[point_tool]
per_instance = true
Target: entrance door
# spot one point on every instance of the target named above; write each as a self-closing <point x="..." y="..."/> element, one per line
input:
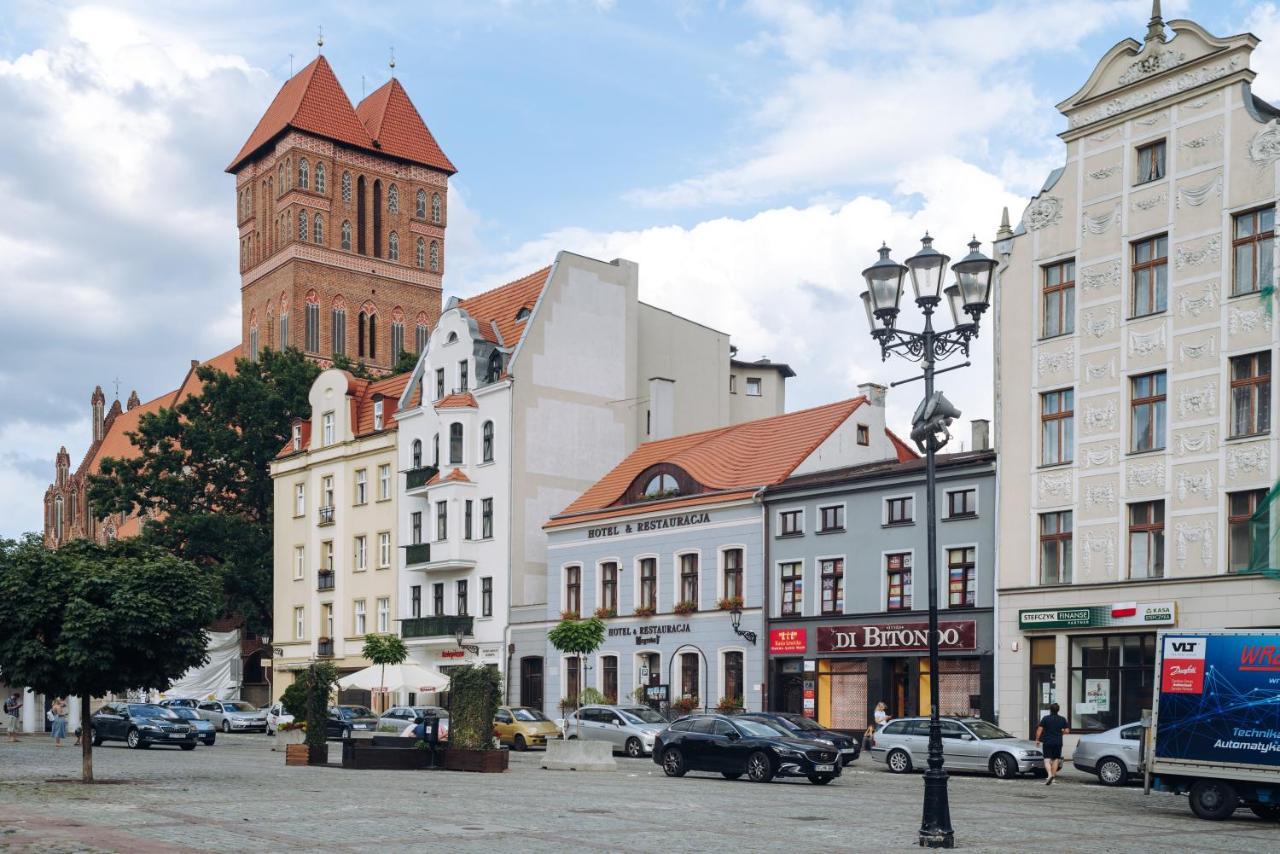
<point x="793" y="693"/>
<point x="531" y="682"/>
<point x="1043" y="680"/>
<point x="899" y="693"/>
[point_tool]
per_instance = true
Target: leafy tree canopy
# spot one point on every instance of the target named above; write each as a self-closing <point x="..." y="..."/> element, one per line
<point x="359" y="369"/>
<point x="202" y="475"/>
<point x="384" y="649"/>
<point x="578" y="637"/>
<point x="405" y="362"/>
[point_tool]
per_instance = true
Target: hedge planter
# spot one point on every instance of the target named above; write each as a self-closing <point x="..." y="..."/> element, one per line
<point x="484" y="761"/>
<point x="387" y="753"/>
<point x="317" y="755"/>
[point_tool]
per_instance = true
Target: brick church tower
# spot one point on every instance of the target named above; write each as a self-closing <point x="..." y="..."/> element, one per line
<point x="341" y="215"/>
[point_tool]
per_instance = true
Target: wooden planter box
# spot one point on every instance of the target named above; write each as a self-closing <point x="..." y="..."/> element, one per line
<point x="296" y="754"/>
<point x="484" y="761"/>
<point x="385" y="753"/>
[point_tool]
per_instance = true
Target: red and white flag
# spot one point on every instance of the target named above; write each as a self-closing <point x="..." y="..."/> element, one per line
<point x="1124" y="609"/>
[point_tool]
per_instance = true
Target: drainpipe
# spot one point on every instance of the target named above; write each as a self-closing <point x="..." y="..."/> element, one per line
<point x="758" y="496"/>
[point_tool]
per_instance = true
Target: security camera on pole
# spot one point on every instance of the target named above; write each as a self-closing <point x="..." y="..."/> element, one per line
<point x="968" y="298"/>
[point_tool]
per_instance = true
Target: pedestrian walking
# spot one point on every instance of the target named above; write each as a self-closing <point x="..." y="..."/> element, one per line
<point x="1049" y="736"/>
<point x="58" y="717"/>
<point x="12" y="709"/>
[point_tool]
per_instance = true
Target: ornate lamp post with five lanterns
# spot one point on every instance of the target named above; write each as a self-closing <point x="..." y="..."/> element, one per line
<point x="968" y="298"/>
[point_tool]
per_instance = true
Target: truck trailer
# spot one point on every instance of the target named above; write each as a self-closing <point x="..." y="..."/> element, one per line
<point x="1216" y="721"/>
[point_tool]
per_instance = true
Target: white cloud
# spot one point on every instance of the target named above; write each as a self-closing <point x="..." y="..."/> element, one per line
<point x="1264" y="22"/>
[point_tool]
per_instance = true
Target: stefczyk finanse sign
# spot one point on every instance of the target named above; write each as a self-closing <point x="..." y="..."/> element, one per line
<point x="896" y="637"/>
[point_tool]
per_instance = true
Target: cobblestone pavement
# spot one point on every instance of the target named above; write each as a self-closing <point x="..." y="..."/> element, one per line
<point x="238" y="796"/>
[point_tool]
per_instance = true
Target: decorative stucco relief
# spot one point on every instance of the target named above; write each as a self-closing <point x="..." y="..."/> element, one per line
<point x="1210" y="253"/>
<point x="1197" y="196"/>
<point x="1100" y="496"/>
<point x="1156" y="62"/>
<point x="1101" y="276"/>
<point x="1053" y="363"/>
<point x="1181" y="83"/>
<point x="1146" y="204"/>
<point x="1203" y="140"/>
<point x="1248" y="459"/>
<point x="1196" y="442"/>
<point x="1194" y="402"/>
<point x="1248" y="319"/>
<point x="1103" y="455"/>
<point x="1101" y="223"/>
<point x="1195" y="484"/>
<point x="1145" y="476"/>
<point x="1055" y="486"/>
<point x="1099" y="322"/>
<point x="1100" y="418"/>
<point x="1194" y="532"/>
<point x="1102" y="544"/>
<point x="1043" y="212"/>
<point x="1264" y="148"/>
<point x="1195" y="306"/>
<point x="1100" y="371"/>
<point x="1146" y="343"/>
<point x="1196" y="352"/>
<point x="1105" y="172"/>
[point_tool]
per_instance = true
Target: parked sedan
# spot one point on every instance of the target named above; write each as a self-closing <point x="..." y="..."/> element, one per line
<point x="1114" y="755"/>
<point x="798" y="726"/>
<point x="630" y="729"/>
<point x="175" y="702"/>
<point x="396" y="718"/>
<point x="233" y="716"/>
<point x="968" y="744"/>
<point x="521" y="728"/>
<point x="734" y="746"/>
<point x="140" y="725"/>
<point x="206" y="732"/>
<point x="276" y="717"/>
<point x="345" y="721"/>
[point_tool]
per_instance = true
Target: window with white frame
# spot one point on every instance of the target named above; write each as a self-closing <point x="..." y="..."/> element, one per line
<point x="361" y="553"/>
<point x="362" y="486"/>
<point x="384" y="614"/>
<point x="326" y="429"/>
<point x="299" y="562"/>
<point x="377" y="408"/>
<point x="358" y="612"/>
<point x="899" y="510"/>
<point x="792" y="588"/>
<point x="299" y="499"/>
<point x="832" y="572"/>
<point x="297" y="428"/>
<point x="384" y="550"/>
<point x="299" y="623"/>
<point x="326" y="491"/>
<point x="753" y="387"/>
<point x="790" y="523"/>
<point x="831" y="518"/>
<point x="898" y="584"/>
<point x="384" y="481"/>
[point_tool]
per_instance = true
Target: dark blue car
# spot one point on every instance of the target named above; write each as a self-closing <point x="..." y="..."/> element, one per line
<point x="798" y="726"/>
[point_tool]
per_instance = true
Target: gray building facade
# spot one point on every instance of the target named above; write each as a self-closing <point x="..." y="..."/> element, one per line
<point x="847" y="596"/>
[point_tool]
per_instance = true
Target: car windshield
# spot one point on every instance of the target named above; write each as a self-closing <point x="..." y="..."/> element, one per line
<point x="528" y="715"/>
<point x="758" y="728"/>
<point x="779" y="727"/>
<point x="238" y="707"/>
<point x="641" y="715"/>
<point x="986" y="731"/>
<point x="146" y="710"/>
<point x="803" y="723"/>
<point x="354" y="712"/>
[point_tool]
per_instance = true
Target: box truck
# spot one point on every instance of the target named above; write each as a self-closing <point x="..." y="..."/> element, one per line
<point x="1216" y="721"/>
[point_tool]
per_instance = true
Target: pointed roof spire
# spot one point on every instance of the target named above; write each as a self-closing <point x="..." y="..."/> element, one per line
<point x="133" y="399"/>
<point x="320" y="40"/>
<point x="1155" y="27"/>
<point x="1004" y="230"/>
<point x="394" y="123"/>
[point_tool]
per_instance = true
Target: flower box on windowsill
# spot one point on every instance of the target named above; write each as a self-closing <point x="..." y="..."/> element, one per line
<point x="683" y="608"/>
<point x="728" y="603"/>
<point x="645" y="611"/>
<point x="605" y="613"/>
<point x="569" y="615"/>
<point x="685" y="705"/>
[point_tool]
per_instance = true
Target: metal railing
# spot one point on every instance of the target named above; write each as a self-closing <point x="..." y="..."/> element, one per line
<point x="417" y="478"/>
<point x="433" y="627"/>
<point x="417" y="553"/>
<point x="326" y="516"/>
<point x="324" y="648"/>
<point x="324" y="579"/>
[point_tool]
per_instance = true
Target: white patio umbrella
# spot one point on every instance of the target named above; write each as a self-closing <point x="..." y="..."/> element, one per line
<point x="399" y="677"/>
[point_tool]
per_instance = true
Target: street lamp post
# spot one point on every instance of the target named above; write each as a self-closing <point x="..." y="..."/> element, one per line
<point x="968" y="298"/>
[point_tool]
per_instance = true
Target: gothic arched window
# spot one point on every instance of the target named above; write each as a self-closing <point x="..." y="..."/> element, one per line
<point x="435" y="257"/>
<point x="302" y="226"/>
<point x="346" y="235"/>
<point x="346" y="186"/>
<point x="317" y="226"/>
<point x="420" y="253"/>
<point x="304" y="174"/>
<point x="319" y="177"/>
<point x="393" y="247"/>
<point x="417" y="453"/>
<point x="420" y="210"/>
<point x="393" y="199"/>
<point x="436" y="215"/>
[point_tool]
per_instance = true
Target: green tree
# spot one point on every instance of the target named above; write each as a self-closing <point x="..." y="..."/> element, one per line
<point x="318" y="681"/>
<point x="359" y="369"/>
<point x="384" y="650"/>
<point x="580" y="638"/>
<point x="202" y="475"/>
<point x="405" y="362"/>
<point x="294" y="700"/>
<point x="86" y="620"/>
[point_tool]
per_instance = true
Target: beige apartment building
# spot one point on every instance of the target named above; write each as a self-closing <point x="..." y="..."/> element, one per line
<point x="1135" y="343"/>
<point x="335" y="522"/>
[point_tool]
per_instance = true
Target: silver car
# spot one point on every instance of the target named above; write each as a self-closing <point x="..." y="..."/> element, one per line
<point x="968" y="744"/>
<point x="1113" y="755"/>
<point x="233" y="715"/>
<point x="397" y="718"/>
<point x="631" y="729"/>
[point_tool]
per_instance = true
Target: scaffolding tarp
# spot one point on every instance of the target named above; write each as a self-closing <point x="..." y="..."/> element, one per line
<point x="219" y="679"/>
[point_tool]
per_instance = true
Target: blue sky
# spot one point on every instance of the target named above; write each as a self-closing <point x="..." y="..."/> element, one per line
<point x="749" y="155"/>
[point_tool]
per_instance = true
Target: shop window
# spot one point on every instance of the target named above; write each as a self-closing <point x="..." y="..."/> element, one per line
<point x="959" y="686"/>
<point x="962" y="503"/>
<point x="1248" y="538"/>
<point x="962" y="587"/>
<point x="1251" y="394"/>
<point x="792" y="589"/>
<point x="1111" y="680"/>
<point x="1055" y="548"/>
<point x="1252" y="238"/>
<point x="898" y="569"/>
<point x="832" y="585"/>
<point x="1058" y="317"/>
<point x="1146" y="540"/>
<point x="846" y="693"/>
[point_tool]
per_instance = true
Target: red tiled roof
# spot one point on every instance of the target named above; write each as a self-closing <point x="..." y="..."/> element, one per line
<point x="312" y="100"/>
<point x="457" y="400"/>
<point x="360" y="398"/>
<point x="738" y="457"/>
<point x="396" y="126"/>
<point x="905" y="452"/>
<point x="501" y="304"/>
<point x="457" y="476"/>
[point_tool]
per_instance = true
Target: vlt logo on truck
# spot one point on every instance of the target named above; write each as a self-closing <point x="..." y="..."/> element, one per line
<point x="1182" y="670"/>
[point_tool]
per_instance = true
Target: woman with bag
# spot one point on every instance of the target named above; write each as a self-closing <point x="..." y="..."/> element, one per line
<point x="58" y="716"/>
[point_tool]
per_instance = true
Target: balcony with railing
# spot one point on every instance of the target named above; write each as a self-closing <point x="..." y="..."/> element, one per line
<point x="324" y="648"/>
<point x="417" y="555"/>
<point x="324" y="580"/>
<point x="435" y="627"/>
<point x="415" y="479"/>
<point x="326" y="516"/>
<point x="449" y="555"/>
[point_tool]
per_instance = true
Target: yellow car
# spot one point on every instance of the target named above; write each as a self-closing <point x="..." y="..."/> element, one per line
<point x="522" y="727"/>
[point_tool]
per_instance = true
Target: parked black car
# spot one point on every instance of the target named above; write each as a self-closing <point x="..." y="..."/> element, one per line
<point x="798" y="726"/>
<point x="344" y="720"/>
<point x="206" y="732"/>
<point x="141" y="725"/>
<point x="734" y="746"/>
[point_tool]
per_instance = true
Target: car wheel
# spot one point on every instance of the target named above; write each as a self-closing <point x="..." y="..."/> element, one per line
<point x="187" y="746"/>
<point x="898" y="761"/>
<point x="133" y="739"/>
<point x="634" y="748"/>
<point x="226" y="725"/>
<point x="1213" y="799"/>
<point x="209" y="740"/>
<point x="673" y="762"/>
<point x="1267" y="812"/>
<point x="520" y="743"/>
<point x="760" y="767"/>
<point x="1111" y="772"/>
<point x="820" y="779"/>
<point x="1004" y="766"/>
<point x="731" y="775"/>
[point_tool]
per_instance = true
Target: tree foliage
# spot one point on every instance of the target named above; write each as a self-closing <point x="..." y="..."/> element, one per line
<point x="87" y="620"/>
<point x="202" y="476"/>
<point x="384" y="649"/>
<point x="578" y="637"/>
<point x="359" y="369"/>
<point x="294" y="700"/>
<point x="318" y="681"/>
<point x="405" y="362"/>
<point x="473" y="704"/>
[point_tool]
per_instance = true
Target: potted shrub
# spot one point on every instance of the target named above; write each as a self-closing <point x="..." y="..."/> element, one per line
<point x="605" y="613"/>
<point x="591" y="697"/>
<point x="294" y="732"/>
<point x="579" y="638"/>
<point x="645" y="611"/>
<point x="728" y="603"/>
<point x="474" y="694"/>
<point x="685" y="705"/>
<point x="685" y="607"/>
<point x="317" y="684"/>
<point x="729" y="705"/>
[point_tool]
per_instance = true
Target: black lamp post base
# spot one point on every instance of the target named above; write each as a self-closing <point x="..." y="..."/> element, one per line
<point x="935" y="826"/>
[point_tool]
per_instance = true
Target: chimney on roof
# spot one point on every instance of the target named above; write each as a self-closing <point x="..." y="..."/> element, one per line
<point x="662" y="408"/>
<point x="96" y="403"/>
<point x="133" y="399"/>
<point x="874" y="393"/>
<point x="981" y="434"/>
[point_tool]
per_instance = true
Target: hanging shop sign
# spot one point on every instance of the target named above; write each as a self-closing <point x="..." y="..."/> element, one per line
<point x="788" y="640"/>
<point x="897" y="637"/>
<point x="1117" y="614"/>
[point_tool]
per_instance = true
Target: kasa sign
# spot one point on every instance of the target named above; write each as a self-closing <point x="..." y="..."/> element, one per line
<point x="896" y="637"/>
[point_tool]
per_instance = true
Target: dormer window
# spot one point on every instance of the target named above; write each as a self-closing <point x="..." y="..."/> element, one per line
<point x="495" y="367"/>
<point x="523" y="313"/>
<point x="660" y="486"/>
<point x="377" y="415"/>
<point x="297" y="437"/>
<point x="326" y="429"/>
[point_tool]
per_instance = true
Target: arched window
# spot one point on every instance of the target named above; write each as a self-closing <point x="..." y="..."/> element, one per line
<point x="420" y="338"/>
<point x="452" y="339"/>
<point x="280" y="178"/>
<point x="393" y="199"/>
<point x="436" y="213"/>
<point x="455" y="444"/>
<point x="253" y="343"/>
<point x="435" y="257"/>
<point x="57" y="518"/>
<point x="339" y="328"/>
<point x="393" y="247"/>
<point x="304" y="174"/>
<point x="302" y="226"/>
<point x="417" y="453"/>
<point x="317" y="226"/>
<point x="360" y="319"/>
<point x="312" y="323"/>
<point x="661" y="485"/>
<point x="373" y="336"/>
<point x="487" y="442"/>
<point x="377" y="218"/>
<point x="420" y="209"/>
<point x="346" y="187"/>
<point x="435" y="450"/>
<point x="397" y="338"/>
<point x="319" y="177"/>
<point x="346" y="235"/>
<point x="420" y="253"/>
